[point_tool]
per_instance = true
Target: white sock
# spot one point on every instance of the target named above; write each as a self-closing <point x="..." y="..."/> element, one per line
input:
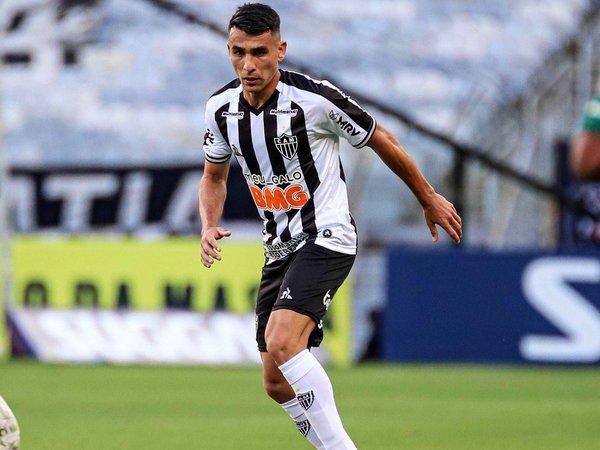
<point x="296" y="412"/>
<point x="315" y="394"/>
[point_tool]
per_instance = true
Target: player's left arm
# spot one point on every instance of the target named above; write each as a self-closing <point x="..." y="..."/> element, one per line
<point x="436" y="209"/>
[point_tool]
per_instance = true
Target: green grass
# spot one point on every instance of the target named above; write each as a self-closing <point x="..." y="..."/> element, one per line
<point x="383" y="407"/>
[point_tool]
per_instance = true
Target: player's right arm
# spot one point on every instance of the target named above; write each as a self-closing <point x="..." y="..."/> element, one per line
<point x="211" y="200"/>
<point x="213" y="186"/>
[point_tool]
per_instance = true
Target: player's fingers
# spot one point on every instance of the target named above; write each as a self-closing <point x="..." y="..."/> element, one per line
<point x="456" y="217"/>
<point x="220" y="234"/>
<point x="432" y="230"/>
<point x="207" y="262"/>
<point x="455" y="237"/>
<point x="456" y="225"/>
<point x="204" y="258"/>
<point x="223" y="233"/>
<point x="454" y="231"/>
<point x="210" y="248"/>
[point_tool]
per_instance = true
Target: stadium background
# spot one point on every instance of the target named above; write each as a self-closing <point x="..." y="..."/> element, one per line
<point x="101" y="129"/>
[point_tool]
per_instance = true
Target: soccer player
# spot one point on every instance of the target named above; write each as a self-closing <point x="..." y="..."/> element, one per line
<point x="284" y="130"/>
<point x="585" y="150"/>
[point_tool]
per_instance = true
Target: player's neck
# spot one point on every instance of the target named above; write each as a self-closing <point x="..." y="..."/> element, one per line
<point x="258" y="99"/>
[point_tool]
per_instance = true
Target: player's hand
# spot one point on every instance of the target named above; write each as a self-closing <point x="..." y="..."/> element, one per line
<point x="209" y="247"/>
<point x="440" y="211"/>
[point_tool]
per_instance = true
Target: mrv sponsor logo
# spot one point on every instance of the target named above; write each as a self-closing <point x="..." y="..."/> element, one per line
<point x="344" y="125"/>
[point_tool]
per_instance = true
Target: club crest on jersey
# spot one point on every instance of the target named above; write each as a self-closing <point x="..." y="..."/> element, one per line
<point x="306" y="399"/>
<point x="287" y="145"/>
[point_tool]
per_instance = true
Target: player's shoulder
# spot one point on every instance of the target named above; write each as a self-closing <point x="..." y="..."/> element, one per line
<point x="224" y="95"/>
<point x="306" y="85"/>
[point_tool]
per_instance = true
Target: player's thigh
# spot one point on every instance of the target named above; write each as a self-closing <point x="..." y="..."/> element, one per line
<point x="288" y="332"/>
<point x="268" y="292"/>
<point x="311" y="281"/>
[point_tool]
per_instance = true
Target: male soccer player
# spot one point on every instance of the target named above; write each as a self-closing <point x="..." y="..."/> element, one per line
<point x="585" y="150"/>
<point x="284" y="130"/>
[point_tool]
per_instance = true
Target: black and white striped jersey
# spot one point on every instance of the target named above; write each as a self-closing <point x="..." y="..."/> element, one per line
<point x="289" y="154"/>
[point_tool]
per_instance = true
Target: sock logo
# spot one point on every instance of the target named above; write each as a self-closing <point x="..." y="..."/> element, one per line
<point x="303" y="427"/>
<point x="306" y="399"/>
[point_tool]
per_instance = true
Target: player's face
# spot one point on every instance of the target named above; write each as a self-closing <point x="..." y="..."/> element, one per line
<point x="256" y="60"/>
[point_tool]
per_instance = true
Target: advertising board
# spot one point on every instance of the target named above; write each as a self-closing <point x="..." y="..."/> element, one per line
<point x="493" y="307"/>
<point x="87" y="298"/>
<point x="135" y="200"/>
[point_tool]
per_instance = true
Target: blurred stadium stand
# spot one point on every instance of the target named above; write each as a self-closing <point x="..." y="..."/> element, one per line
<point x="131" y="79"/>
<point x="123" y="83"/>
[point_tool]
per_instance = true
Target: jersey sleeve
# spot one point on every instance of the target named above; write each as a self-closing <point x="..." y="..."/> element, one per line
<point x="344" y="117"/>
<point x="591" y="119"/>
<point x="216" y="149"/>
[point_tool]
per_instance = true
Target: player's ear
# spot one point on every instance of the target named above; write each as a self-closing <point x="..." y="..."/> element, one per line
<point x="281" y="49"/>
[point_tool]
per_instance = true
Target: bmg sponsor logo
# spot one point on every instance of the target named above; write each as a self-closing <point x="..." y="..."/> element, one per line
<point x="278" y="199"/>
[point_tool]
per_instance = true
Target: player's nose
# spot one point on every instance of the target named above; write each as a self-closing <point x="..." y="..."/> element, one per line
<point x="248" y="64"/>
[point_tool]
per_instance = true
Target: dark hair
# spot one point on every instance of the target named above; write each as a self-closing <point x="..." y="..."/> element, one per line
<point x="255" y="19"/>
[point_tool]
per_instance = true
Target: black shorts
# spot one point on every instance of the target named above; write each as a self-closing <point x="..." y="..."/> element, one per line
<point x="304" y="282"/>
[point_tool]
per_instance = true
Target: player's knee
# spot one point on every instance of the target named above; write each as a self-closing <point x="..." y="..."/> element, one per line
<point x="276" y="389"/>
<point x="276" y="346"/>
<point x="281" y="347"/>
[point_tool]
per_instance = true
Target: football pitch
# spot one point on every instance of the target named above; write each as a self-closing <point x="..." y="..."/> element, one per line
<point x="383" y="407"/>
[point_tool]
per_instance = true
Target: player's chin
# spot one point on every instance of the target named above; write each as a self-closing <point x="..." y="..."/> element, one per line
<point x="253" y="86"/>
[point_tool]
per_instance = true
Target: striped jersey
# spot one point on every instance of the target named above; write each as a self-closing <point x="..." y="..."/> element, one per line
<point x="288" y="151"/>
